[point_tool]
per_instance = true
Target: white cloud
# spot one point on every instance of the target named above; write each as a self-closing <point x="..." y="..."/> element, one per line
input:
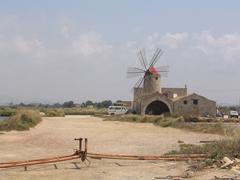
<point x="203" y="60"/>
<point x="131" y="44"/>
<point x="28" y="46"/>
<point x="222" y="47"/>
<point x="90" y="43"/>
<point x="173" y="40"/>
<point x="67" y="27"/>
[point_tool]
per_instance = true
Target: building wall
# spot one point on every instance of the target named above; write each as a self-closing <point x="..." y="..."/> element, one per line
<point x="170" y="92"/>
<point x="177" y="106"/>
<point x="141" y="102"/>
<point x="146" y="100"/>
<point x="185" y="106"/>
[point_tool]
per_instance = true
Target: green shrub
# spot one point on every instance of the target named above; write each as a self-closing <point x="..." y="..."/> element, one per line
<point x="22" y="120"/>
<point x="215" y="150"/>
<point x="54" y="113"/>
<point x="85" y="111"/>
<point x="180" y="123"/>
<point x="7" y="111"/>
<point x="134" y="118"/>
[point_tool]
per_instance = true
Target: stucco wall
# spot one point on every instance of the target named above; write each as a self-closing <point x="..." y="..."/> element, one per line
<point x="205" y="107"/>
<point x="140" y="104"/>
<point x="151" y="83"/>
<point x="170" y="91"/>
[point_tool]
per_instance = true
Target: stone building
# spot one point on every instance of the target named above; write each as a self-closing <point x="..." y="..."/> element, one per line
<point x="152" y="99"/>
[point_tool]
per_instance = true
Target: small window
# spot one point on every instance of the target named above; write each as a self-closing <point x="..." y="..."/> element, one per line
<point x="156" y="78"/>
<point x="195" y="101"/>
<point x="185" y="102"/>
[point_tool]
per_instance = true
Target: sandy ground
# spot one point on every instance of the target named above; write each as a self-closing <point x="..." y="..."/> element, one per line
<point x="54" y="136"/>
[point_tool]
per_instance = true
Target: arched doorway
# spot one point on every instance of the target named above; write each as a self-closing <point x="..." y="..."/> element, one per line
<point x="157" y="108"/>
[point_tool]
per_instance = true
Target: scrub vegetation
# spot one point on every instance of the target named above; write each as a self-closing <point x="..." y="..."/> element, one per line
<point x="61" y="112"/>
<point x="21" y="120"/>
<point x="6" y="111"/>
<point x="85" y="111"/>
<point x="189" y="124"/>
<point x="216" y="150"/>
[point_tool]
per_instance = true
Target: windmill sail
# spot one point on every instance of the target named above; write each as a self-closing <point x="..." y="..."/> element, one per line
<point x="146" y="68"/>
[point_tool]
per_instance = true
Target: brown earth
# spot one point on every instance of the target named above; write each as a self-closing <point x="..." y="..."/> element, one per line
<point x="54" y="137"/>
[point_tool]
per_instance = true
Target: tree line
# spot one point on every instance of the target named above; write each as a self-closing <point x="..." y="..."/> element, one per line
<point x="67" y="104"/>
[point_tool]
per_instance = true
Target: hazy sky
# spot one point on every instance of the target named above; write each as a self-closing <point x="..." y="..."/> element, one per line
<point x="55" y="50"/>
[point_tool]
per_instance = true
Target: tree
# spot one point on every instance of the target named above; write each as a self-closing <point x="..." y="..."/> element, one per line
<point x="104" y="104"/>
<point x="57" y="105"/>
<point x="68" y="104"/>
<point x="89" y="103"/>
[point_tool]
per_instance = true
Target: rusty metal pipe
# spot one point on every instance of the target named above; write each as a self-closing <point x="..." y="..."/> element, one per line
<point x="164" y="156"/>
<point x="129" y="157"/>
<point x="86" y="143"/>
<point x="43" y="159"/>
<point x="80" y="144"/>
<point x="27" y="163"/>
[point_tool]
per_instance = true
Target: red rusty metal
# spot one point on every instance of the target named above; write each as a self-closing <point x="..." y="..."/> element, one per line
<point x="83" y="154"/>
<point x="78" y="154"/>
<point x="183" y="157"/>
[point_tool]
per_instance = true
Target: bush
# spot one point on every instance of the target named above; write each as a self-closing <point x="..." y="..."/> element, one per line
<point x="179" y="122"/>
<point x="85" y="111"/>
<point x="7" y="111"/>
<point x="215" y="150"/>
<point x="22" y="120"/>
<point x="168" y="121"/>
<point x="68" y="104"/>
<point x="54" y="112"/>
<point x="134" y="118"/>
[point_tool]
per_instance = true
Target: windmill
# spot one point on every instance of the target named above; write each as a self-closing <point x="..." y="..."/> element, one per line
<point x="149" y="75"/>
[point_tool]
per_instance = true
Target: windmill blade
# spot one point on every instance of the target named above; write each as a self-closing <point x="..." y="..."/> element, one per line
<point x="154" y="56"/>
<point x="138" y="84"/>
<point x="134" y="72"/>
<point x="163" y="68"/>
<point x="143" y="54"/>
<point x="142" y="58"/>
<point x="133" y="75"/>
<point x="157" y="58"/>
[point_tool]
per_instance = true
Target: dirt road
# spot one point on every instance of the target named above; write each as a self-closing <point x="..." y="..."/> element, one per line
<point x="54" y="136"/>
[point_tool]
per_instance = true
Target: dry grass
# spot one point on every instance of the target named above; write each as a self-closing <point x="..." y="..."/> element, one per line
<point x="229" y="147"/>
<point x="22" y="120"/>
<point x="53" y="112"/>
<point x="132" y="118"/>
<point x="215" y="150"/>
<point x="177" y="122"/>
<point x="85" y="111"/>
<point x="61" y="112"/>
<point x="5" y="111"/>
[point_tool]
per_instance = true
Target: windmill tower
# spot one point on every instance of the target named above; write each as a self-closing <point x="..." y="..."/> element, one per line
<point x="151" y="99"/>
<point x="150" y="76"/>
